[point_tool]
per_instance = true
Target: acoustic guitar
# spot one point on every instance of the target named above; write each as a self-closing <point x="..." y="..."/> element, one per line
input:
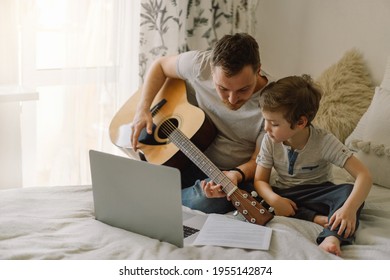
<point x="180" y="132"/>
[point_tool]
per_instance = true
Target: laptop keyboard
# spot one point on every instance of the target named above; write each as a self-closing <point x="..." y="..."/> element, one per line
<point x="189" y="231"/>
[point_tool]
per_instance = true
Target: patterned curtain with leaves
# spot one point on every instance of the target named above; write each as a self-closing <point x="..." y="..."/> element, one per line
<point x="172" y="27"/>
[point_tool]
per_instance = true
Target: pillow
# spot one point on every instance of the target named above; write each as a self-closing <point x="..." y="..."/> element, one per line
<point x="386" y="78"/>
<point x="371" y="138"/>
<point x="359" y="130"/>
<point x="347" y="93"/>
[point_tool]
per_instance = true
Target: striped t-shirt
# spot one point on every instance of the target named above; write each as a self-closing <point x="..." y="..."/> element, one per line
<point x="311" y="165"/>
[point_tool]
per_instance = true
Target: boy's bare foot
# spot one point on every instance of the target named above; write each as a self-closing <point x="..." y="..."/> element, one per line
<point x="331" y="244"/>
<point x="321" y="220"/>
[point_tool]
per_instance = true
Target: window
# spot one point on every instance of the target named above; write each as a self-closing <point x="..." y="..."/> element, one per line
<point x="79" y="55"/>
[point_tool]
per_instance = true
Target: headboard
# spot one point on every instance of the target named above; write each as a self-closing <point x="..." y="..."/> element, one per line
<point x="307" y="36"/>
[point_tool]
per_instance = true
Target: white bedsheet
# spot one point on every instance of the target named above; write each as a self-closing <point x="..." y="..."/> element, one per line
<point x="58" y="223"/>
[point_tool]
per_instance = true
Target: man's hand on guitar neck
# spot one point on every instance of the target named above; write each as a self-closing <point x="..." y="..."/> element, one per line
<point x="213" y="190"/>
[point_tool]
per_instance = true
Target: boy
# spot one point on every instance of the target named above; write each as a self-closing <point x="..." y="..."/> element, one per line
<point x="301" y="155"/>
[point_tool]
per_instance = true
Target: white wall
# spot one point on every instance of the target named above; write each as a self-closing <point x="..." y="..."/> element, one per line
<point x="9" y="43"/>
<point x="307" y="36"/>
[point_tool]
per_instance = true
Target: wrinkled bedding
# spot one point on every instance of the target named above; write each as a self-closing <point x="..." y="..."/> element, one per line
<point x="59" y="223"/>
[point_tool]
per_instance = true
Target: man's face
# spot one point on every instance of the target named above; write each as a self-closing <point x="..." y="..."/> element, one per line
<point x="236" y="90"/>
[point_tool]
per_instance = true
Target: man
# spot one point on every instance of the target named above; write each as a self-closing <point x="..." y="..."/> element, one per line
<point x="227" y="82"/>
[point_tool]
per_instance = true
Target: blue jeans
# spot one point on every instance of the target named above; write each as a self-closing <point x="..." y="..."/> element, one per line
<point x="192" y="194"/>
<point x="194" y="198"/>
<point x="323" y="199"/>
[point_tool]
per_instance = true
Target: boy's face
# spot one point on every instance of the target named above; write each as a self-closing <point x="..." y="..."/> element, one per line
<point x="236" y="90"/>
<point x="277" y="127"/>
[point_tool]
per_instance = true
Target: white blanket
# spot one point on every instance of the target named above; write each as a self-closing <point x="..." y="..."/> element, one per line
<point x="59" y="223"/>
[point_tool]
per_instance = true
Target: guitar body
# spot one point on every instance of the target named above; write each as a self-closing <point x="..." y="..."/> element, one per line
<point x="181" y="132"/>
<point x="176" y="110"/>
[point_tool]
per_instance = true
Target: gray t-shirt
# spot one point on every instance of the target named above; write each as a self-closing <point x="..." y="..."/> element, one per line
<point x="311" y="165"/>
<point x="238" y="130"/>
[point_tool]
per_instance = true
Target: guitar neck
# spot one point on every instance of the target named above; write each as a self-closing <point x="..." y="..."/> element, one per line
<point x="171" y="101"/>
<point x="200" y="160"/>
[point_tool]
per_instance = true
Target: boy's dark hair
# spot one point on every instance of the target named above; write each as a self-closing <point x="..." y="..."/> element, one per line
<point x="295" y="96"/>
<point x="234" y="52"/>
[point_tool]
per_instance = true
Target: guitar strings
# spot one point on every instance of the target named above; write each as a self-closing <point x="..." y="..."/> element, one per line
<point x="169" y="130"/>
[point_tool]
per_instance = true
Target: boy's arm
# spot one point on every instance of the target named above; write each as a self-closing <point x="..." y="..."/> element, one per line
<point x="261" y="184"/>
<point x="346" y="215"/>
<point x="282" y="206"/>
<point x="362" y="185"/>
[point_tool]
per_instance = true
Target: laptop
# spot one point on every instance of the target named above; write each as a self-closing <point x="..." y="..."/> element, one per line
<point x="141" y="197"/>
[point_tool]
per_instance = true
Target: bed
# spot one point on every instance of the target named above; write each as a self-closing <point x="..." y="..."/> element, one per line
<point x="58" y="222"/>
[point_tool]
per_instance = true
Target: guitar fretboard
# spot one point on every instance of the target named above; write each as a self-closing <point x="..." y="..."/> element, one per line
<point x="200" y="160"/>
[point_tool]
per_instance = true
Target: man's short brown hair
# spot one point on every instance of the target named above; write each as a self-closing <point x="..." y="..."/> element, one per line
<point x="234" y="52"/>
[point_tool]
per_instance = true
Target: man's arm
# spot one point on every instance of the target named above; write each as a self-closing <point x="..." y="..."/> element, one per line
<point x="160" y="70"/>
<point x="248" y="168"/>
<point x="211" y="189"/>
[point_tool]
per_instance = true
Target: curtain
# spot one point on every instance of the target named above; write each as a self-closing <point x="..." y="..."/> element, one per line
<point x="81" y="57"/>
<point x="172" y="27"/>
<point x="85" y="58"/>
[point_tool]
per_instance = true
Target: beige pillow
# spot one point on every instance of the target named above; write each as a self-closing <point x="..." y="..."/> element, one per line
<point x="371" y="137"/>
<point x="359" y="131"/>
<point x="386" y="77"/>
<point x="373" y="145"/>
<point x="347" y="93"/>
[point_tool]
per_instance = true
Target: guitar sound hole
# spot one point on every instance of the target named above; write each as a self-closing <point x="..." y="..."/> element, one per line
<point x="167" y="127"/>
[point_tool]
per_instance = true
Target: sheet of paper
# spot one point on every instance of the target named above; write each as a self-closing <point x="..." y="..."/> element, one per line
<point x="220" y="230"/>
